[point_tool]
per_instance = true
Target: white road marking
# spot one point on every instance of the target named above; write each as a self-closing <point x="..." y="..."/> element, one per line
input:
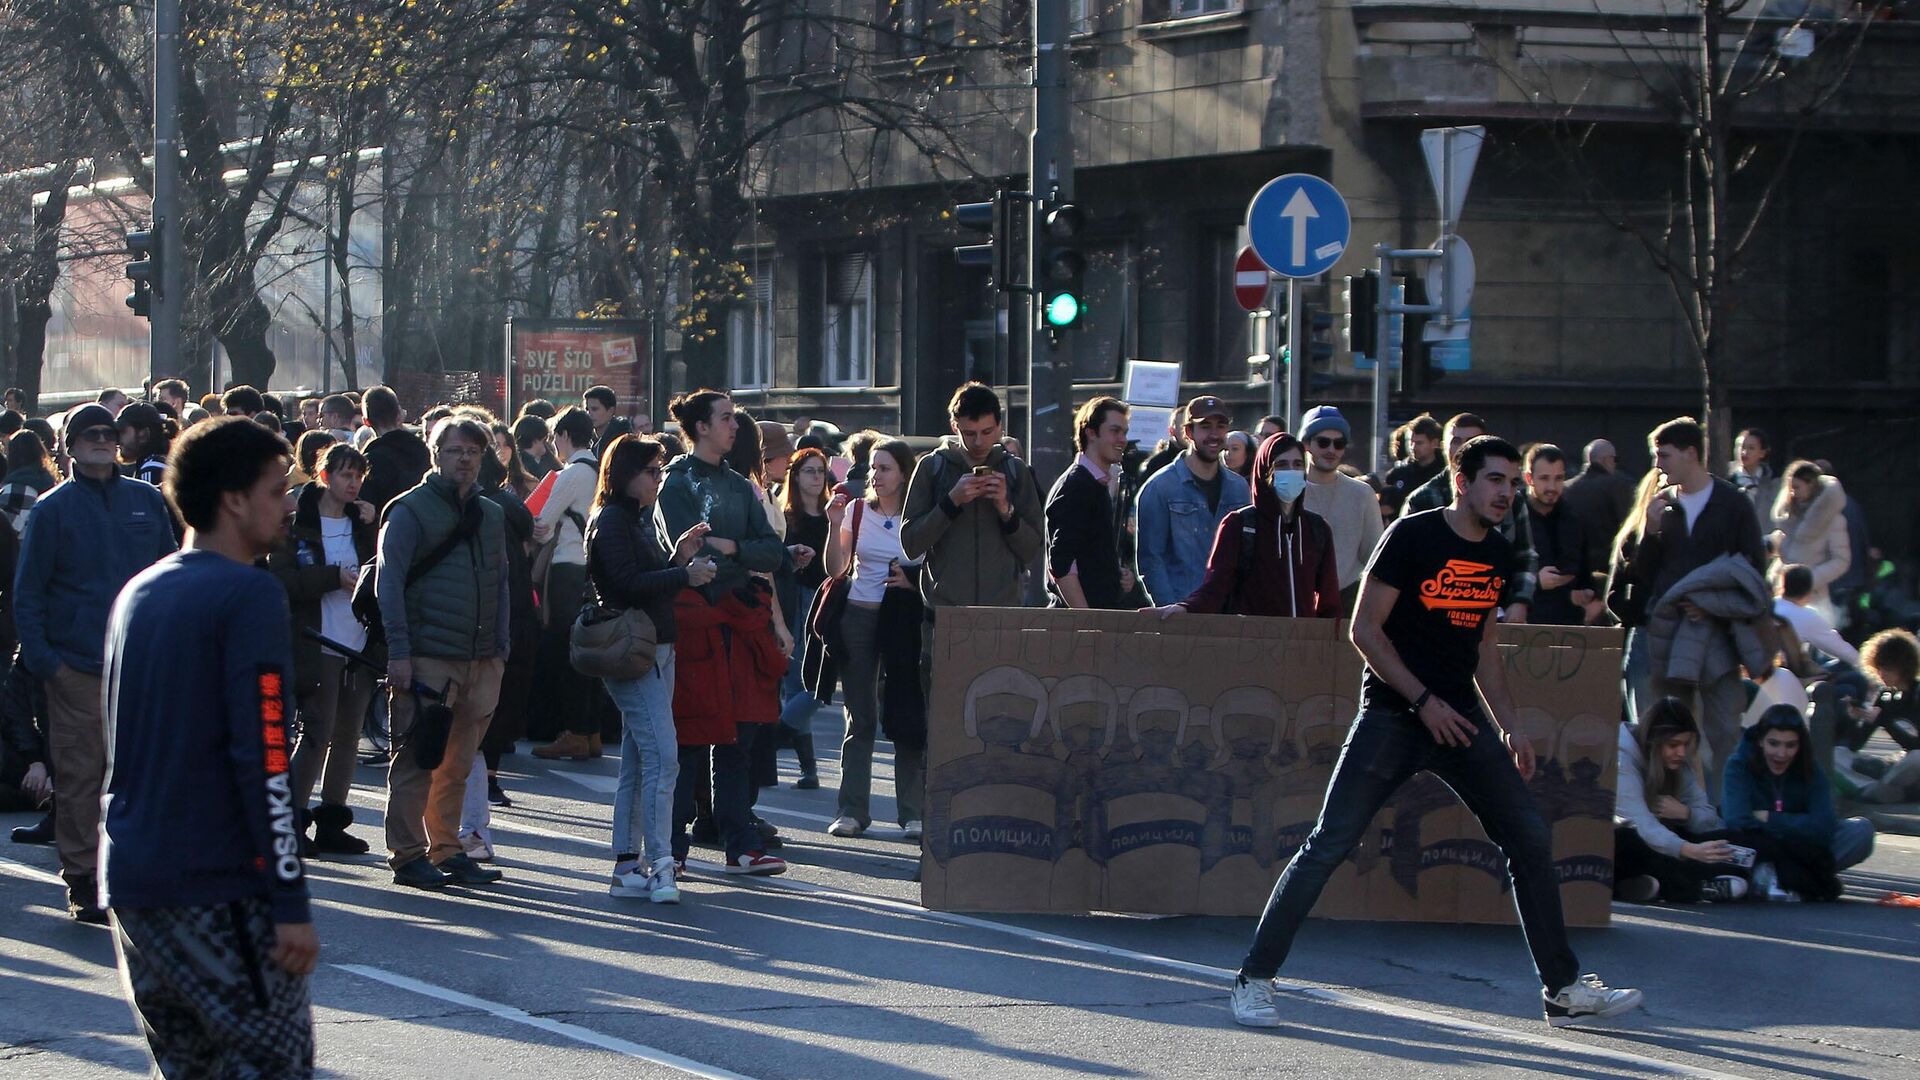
<point x="553" y="1027"/>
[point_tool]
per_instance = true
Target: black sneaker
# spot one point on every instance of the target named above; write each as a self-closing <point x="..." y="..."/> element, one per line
<point x="421" y="874"/>
<point x="496" y="794"/>
<point x="83" y="905"/>
<point x="40" y="832"/>
<point x="807" y="782"/>
<point x="464" y="871"/>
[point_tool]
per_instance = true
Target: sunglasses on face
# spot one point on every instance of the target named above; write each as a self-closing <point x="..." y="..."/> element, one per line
<point x="97" y="434"/>
<point x="1326" y="442"/>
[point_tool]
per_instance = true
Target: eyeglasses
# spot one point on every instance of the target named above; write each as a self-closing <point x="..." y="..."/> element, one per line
<point x="1327" y="443"/>
<point x="461" y="451"/>
<point x="97" y="434"/>
<point x="815" y="471"/>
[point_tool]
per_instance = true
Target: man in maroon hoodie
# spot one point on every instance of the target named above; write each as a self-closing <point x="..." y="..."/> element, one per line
<point x="1274" y="557"/>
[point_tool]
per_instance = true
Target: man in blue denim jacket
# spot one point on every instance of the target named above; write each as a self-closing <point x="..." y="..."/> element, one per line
<point x="1181" y="506"/>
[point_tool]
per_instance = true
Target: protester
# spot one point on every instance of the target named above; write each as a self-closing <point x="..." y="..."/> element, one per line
<point x="518" y="480"/>
<point x="1347" y="505"/>
<point x="306" y="457"/>
<point x="1668" y="842"/>
<point x="1893" y="656"/>
<point x="445" y="603"/>
<point x="1627" y="599"/>
<point x="1169" y="448"/>
<point x="242" y="401"/>
<point x="1238" y="454"/>
<point x="1809" y="528"/>
<point x="630" y="567"/>
<point x="539" y="407"/>
<point x="1274" y="557"/>
<point x="1269" y="427"/>
<point x="878" y="638"/>
<point x="83" y="541"/>
<point x="10" y="422"/>
<point x="1082" y="514"/>
<point x="1694" y="520"/>
<point x="145" y="438"/>
<point x="30" y="474"/>
<point x="1182" y="505"/>
<point x="510" y="715"/>
<point x="1779" y="803"/>
<point x="1436" y="662"/>
<point x="208" y="898"/>
<point x="397" y="458"/>
<point x="859" y="449"/>
<point x="602" y="405"/>
<point x="562" y="523"/>
<point x="172" y="393"/>
<point x="803" y="502"/>
<point x="1425" y="438"/>
<point x="532" y="436"/>
<point x="1828" y="649"/>
<point x="318" y="563"/>
<point x="1754" y="478"/>
<point x="113" y="399"/>
<point x="726" y="686"/>
<point x="750" y="459"/>
<point x="1566" y="593"/>
<point x="1516" y="528"/>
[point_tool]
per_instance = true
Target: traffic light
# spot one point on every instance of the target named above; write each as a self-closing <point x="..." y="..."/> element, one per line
<point x="144" y="270"/>
<point x="1063" y="268"/>
<point x="1361" y="298"/>
<point x="1319" y="337"/>
<point x="1000" y="255"/>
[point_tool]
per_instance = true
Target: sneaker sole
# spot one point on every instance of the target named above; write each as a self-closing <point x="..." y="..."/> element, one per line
<point x="1257" y="1021"/>
<point x="1603" y="1014"/>
<point x="755" y="871"/>
<point x="424" y="886"/>
<point x="627" y="893"/>
<point x="665" y="896"/>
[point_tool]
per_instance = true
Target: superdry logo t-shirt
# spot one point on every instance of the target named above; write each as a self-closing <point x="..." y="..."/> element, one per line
<point x="1449" y="589"/>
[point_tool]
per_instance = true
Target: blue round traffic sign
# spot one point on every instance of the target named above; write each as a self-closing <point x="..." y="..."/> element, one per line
<point x="1299" y="225"/>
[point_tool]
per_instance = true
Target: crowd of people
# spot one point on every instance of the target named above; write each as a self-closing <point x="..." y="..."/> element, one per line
<point x="750" y="569"/>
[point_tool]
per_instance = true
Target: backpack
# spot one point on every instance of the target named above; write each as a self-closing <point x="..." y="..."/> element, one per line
<point x="1009" y="467"/>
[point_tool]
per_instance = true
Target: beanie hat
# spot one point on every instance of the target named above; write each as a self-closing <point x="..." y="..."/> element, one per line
<point x="1322" y="418"/>
<point x="91" y="415"/>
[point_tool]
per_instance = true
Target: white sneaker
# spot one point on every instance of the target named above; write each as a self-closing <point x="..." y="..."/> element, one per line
<point x="1587" y="998"/>
<point x="476" y="846"/>
<point x="846" y="825"/>
<point x="634" y="884"/>
<point x="911" y="830"/>
<point x="1253" y="1003"/>
<point x="664" y="886"/>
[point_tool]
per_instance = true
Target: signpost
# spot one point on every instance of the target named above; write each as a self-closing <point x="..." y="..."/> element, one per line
<point x="1251" y="280"/>
<point x="1299" y="226"/>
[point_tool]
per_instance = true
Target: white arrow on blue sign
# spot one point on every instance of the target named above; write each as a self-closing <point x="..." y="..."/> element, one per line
<point x="1299" y="225"/>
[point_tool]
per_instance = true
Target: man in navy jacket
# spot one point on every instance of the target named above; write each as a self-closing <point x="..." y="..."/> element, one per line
<point x="84" y="539"/>
<point x="199" y="853"/>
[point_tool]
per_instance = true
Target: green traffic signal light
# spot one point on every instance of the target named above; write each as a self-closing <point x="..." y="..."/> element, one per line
<point x="1063" y="310"/>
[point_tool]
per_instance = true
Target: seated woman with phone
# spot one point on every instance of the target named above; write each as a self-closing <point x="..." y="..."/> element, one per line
<point x="1779" y="802"/>
<point x="1669" y="843"/>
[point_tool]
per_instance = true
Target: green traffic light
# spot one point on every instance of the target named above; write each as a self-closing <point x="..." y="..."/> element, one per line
<point x="1063" y="310"/>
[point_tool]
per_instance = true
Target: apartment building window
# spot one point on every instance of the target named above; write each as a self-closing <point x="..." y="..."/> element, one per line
<point x="750" y="336"/>
<point x="846" y="320"/>
<point x="1157" y="11"/>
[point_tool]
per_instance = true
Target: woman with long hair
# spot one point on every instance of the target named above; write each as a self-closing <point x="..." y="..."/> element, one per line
<point x="878" y="634"/>
<point x="1668" y="843"/>
<point x="1239" y="453"/>
<point x="803" y="502"/>
<point x="507" y="451"/>
<point x="1778" y="802"/>
<point x="630" y="566"/>
<point x="1811" y="530"/>
<point x="31" y="473"/>
<point x="1274" y="557"/>
<point x="516" y="681"/>
<point x="1627" y="597"/>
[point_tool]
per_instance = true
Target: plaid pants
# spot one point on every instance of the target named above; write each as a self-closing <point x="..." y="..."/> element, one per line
<point x="211" y="1001"/>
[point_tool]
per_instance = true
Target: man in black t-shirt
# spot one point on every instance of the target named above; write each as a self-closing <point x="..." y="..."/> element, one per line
<point x="1425" y="625"/>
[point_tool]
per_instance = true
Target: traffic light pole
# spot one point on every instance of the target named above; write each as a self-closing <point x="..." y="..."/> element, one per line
<point x="1297" y="359"/>
<point x="1049" y="447"/>
<point x="169" y="295"/>
<point x="1392" y="301"/>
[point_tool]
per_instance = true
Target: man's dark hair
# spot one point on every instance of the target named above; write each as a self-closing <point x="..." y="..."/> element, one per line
<point x="529" y="431"/>
<point x="436" y="414"/>
<point x="172" y="388"/>
<point x="274" y="405"/>
<point x="339" y="405"/>
<point x="695" y="408"/>
<point x="109" y="394"/>
<point x="602" y="394"/>
<point x="1479" y="450"/>
<point x="244" y="398"/>
<point x="1544" y="452"/>
<point x="224" y="454"/>
<point x="1092" y="415"/>
<point x="1425" y="424"/>
<point x="1279" y="422"/>
<point x="1467" y="420"/>
<point x="15" y="392"/>
<point x="381" y="406"/>
<point x="1681" y="433"/>
<point x="576" y="425"/>
<point x="974" y="401"/>
<point x="1796" y="581"/>
<point x="1758" y="433"/>
<point x="10" y="421"/>
<point x="539" y="407"/>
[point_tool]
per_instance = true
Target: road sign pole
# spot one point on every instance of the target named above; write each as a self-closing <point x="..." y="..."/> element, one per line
<point x="1049" y="177"/>
<point x="1383" y="349"/>
<point x="163" y="357"/>
<point x="1296" y="351"/>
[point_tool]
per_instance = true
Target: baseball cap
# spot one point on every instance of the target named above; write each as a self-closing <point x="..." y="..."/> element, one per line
<point x="1207" y="405"/>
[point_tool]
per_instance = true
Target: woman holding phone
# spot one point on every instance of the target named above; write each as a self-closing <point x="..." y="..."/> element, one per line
<point x="1668" y="843"/>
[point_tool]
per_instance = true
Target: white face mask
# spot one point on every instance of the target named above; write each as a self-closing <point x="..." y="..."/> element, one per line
<point x="1289" y="483"/>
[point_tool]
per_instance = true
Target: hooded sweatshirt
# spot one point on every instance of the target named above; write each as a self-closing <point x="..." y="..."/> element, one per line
<point x="1799" y="807"/>
<point x="694" y="492"/>
<point x="973" y="559"/>
<point x="1293" y="570"/>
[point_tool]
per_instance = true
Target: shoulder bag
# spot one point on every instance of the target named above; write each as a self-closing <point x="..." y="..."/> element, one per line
<point x="830" y="603"/>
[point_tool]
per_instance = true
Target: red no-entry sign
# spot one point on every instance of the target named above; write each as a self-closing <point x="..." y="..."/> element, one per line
<point x="1250" y="280"/>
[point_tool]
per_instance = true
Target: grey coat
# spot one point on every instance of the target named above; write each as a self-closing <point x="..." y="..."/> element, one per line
<point x="1735" y="598"/>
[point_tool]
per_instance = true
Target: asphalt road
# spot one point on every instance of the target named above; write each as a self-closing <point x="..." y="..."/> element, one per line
<point x="834" y="971"/>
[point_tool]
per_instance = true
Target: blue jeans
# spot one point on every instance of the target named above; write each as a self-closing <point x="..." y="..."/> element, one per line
<point x="649" y="761"/>
<point x="1383" y="751"/>
<point x="1852" y="842"/>
<point x="797" y="706"/>
<point x="1638" y="679"/>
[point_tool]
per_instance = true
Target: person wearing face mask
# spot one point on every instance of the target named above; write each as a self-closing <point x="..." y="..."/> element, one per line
<point x="1275" y="557"/>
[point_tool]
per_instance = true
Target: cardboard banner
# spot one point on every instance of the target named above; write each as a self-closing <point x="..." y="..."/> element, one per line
<point x="560" y="359"/>
<point x="1109" y="761"/>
